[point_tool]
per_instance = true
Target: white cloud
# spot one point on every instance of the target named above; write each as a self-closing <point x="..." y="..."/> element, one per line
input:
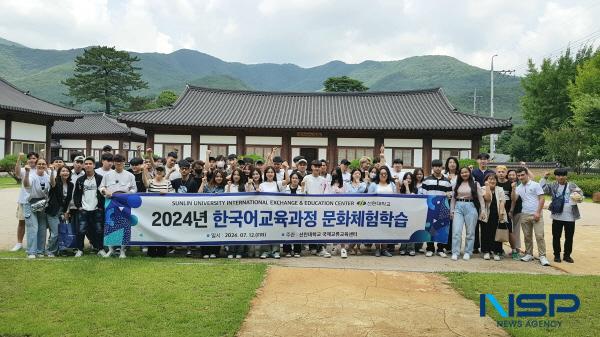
<point x="308" y="32"/>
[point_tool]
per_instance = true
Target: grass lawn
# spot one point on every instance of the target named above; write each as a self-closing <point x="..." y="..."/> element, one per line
<point x="583" y="322"/>
<point x="138" y="296"/>
<point x="8" y="182"/>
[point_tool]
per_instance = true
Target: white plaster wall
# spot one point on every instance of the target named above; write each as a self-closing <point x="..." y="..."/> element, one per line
<point x="2" y="128"/>
<point x="215" y="139"/>
<point x="99" y="143"/>
<point x="27" y="131"/>
<point x="362" y="142"/>
<point x="202" y="154"/>
<point x="309" y="141"/>
<point x="172" y="139"/>
<point x="393" y="142"/>
<point x="260" y="140"/>
<point x="451" y="143"/>
<point x="323" y="153"/>
<point x="1" y="148"/>
<point x="295" y="152"/>
<point x="418" y="158"/>
<point x="73" y="143"/>
<point x="187" y="151"/>
<point x="231" y="149"/>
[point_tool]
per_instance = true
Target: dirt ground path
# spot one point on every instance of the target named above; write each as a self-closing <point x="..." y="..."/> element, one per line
<point x="342" y="302"/>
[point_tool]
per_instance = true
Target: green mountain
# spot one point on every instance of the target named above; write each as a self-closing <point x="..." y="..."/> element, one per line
<point x="41" y="72"/>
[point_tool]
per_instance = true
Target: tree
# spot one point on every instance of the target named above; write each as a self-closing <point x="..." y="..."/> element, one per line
<point x="546" y="103"/>
<point x="166" y="98"/>
<point x="105" y="75"/>
<point x="343" y="84"/>
<point x="570" y="146"/>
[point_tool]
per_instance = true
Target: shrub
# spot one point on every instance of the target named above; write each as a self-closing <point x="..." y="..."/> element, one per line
<point x="466" y="162"/>
<point x="254" y="157"/>
<point x="7" y="164"/>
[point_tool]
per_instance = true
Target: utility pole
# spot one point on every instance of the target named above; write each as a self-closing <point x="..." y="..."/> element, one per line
<point x="475" y="97"/>
<point x="493" y="136"/>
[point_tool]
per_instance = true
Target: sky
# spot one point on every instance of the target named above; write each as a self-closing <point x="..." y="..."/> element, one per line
<point x="311" y="32"/>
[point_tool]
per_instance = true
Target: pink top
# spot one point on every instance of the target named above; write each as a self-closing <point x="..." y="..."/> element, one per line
<point x="464" y="192"/>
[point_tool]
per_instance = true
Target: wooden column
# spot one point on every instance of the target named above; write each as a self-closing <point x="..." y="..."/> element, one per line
<point x="120" y="150"/>
<point x="427" y="155"/>
<point x="8" y="136"/>
<point x="331" y="151"/>
<point x="49" y="140"/>
<point x="150" y="139"/>
<point x="240" y="144"/>
<point x="88" y="147"/>
<point x="196" y="144"/>
<point x="286" y="148"/>
<point x="475" y="144"/>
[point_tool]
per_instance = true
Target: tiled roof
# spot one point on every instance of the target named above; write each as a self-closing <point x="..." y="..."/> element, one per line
<point x="402" y="110"/>
<point x="11" y="98"/>
<point x="94" y="124"/>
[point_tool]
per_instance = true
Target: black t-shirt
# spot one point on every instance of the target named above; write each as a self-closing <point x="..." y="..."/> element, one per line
<point x="139" y="181"/>
<point x="507" y="187"/>
<point x="190" y="185"/>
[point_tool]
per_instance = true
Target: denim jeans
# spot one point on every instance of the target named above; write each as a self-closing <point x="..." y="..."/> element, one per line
<point x="465" y="214"/>
<point x="91" y="222"/>
<point x="53" y="222"/>
<point x="35" y="226"/>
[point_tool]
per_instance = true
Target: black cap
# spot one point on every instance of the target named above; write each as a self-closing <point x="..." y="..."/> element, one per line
<point x="136" y="161"/>
<point x="296" y="158"/>
<point x="278" y="159"/>
<point x="344" y="162"/>
<point x="561" y="172"/>
<point x="315" y="163"/>
<point x="107" y="148"/>
<point x="436" y="162"/>
<point x="184" y="163"/>
<point x="231" y="157"/>
<point x="483" y="156"/>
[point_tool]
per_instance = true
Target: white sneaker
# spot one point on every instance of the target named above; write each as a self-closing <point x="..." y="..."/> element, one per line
<point x="496" y="257"/>
<point x="205" y="256"/>
<point x="31" y="256"/>
<point x="343" y="253"/>
<point x="442" y="254"/>
<point x="108" y="254"/>
<point x="324" y="253"/>
<point x="17" y="247"/>
<point x="79" y="253"/>
<point x="412" y="253"/>
<point x="466" y="257"/>
<point x="264" y="255"/>
<point x="213" y="256"/>
<point x="486" y="256"/>
<point x="296" y="255"/>
<point x="50" y="255"/>
<point x="230" y="256"/>
<point x="454" y="257"/>
<point x="429" y="254"/>
<point x="144" y="250"/>
<point x="288" y="254"/>
<point x="544" y="261"/>
<point x="313" y="252"/>
<point x="527" y="258"/>
<point x="276" y="255"/>
<point x="122" y="254"/>
<point x="238" y="256"/>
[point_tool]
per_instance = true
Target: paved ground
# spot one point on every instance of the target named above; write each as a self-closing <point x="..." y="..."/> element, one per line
<point x="333" y="302"/>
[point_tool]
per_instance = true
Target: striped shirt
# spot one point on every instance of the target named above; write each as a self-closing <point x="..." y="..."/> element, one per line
<point x="434" y="186"/>
<point x="160" y="186"/>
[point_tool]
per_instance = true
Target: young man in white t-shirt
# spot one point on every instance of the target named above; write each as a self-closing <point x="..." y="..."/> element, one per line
<point x="117" y="181"/>
<point x="532" y="220"/>
<point x="314" y="183"/>
<point x="106" y="164"/>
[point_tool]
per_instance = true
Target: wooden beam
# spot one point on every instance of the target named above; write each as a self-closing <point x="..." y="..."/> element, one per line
<point x="49" y="141"/>
<point x="149" y="139"/>
<point x="8" y="136"/>
<point x="331" y="151"/>
<point x="475" y="144"/>
<point x="88" y="147"/>
<point x="378" y="143"/>
<point x="286" y="147"/>
<point x="427" y="155"/>
<point x="240" y="143"/>
<point x="195" y="144"/>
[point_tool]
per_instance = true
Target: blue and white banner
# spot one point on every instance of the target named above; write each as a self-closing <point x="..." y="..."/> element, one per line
<point x="265" y="218"/>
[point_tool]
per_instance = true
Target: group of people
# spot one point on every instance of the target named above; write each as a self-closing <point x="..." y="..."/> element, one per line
<point x="482" y="201"/>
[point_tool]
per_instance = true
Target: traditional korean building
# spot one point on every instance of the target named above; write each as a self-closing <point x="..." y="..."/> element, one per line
<point x="26" y="121"/>
<point x="91" y="133"/>
<point x="416" y="126"/>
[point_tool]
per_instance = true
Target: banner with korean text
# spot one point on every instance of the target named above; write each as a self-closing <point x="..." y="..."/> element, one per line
<point x="266" y="218"/>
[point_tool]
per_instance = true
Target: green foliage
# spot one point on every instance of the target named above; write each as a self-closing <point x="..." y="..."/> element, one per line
<point x="105" y="75"/>
<point x="588" y="186"/>
<point x="546" y="103"/>
<point x="354" y="164"/>
<point x="166" y="98"/>
<point x="343" y="84"/>
<point x="220" y="82"/>
<point x="466" y="162"/>
<point x="7" y="164"/>
<point x="254" y="157"/>
<point x="569" y="145"/>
